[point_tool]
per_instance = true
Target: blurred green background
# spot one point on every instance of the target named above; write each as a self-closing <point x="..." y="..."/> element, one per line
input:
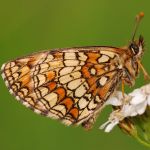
<point x="27" y="26"/>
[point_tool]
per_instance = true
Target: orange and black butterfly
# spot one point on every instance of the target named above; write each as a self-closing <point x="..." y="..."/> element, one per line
<point x="73" y="84"/>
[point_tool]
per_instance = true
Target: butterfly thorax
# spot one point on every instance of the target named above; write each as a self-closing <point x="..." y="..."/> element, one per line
<point x="130" y="59"/>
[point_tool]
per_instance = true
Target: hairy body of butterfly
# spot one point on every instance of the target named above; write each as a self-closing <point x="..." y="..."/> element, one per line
<point x="72" y="84"/>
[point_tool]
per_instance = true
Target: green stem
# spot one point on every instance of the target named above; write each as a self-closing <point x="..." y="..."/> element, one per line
<point x="141" y="141"/>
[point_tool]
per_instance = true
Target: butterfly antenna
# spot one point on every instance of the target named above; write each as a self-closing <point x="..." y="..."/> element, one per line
<point x="137" y="22"/>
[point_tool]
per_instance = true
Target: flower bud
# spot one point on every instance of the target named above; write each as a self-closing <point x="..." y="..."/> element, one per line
<point x="138" y="127"/>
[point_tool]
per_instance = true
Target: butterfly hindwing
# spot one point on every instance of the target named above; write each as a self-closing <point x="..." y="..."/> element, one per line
<point x="66" y="84"/>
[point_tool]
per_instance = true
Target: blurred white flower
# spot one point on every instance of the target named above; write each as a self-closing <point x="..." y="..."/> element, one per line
<point x="133" y="104"/>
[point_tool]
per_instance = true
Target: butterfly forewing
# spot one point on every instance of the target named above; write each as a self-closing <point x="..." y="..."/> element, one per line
<point x="66" y="84"/>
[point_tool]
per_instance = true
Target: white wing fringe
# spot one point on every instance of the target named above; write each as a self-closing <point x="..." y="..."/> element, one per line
<point x="133" y="104"/>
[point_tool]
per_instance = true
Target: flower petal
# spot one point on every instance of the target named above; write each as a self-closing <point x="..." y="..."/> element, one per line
<point x="114" y="101"/>
<point x="148" y="100"/>
<point x="140" y="109"/>
<point x="138" y="97"/>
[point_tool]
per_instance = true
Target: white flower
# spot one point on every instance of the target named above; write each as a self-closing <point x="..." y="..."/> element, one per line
<point x="148" y="99"/>
<point x="131" y="105"/>
<point x="138" y="96"/>
<point x="116" y="100"/>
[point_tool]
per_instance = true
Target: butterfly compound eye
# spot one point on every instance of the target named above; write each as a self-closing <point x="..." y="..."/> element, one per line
<point x="134" y="48"/>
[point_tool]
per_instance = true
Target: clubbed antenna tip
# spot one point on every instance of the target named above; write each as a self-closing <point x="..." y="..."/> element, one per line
<point x="137" y="21"/>
<point x="140" y="16"/>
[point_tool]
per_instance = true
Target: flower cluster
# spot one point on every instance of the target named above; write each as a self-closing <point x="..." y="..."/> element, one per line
<point x="131" y="105"/>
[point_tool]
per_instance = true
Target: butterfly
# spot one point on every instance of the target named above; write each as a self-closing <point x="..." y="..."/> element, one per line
<point x="73" y="84"/>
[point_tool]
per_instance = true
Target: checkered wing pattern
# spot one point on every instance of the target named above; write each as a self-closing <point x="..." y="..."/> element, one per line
<point x="65" y="84"/>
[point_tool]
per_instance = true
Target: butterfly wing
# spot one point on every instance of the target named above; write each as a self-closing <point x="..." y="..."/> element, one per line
<point x="65" y="84"/>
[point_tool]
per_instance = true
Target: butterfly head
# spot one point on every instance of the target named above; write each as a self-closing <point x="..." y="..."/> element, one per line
<point x="137" y="47"/>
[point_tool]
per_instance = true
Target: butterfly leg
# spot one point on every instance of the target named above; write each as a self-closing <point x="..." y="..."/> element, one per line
<point x="146" y="75"/>
<point x="88" y="124"/>
<point x="122" y="87"/>
<point x="124" y="98"/>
